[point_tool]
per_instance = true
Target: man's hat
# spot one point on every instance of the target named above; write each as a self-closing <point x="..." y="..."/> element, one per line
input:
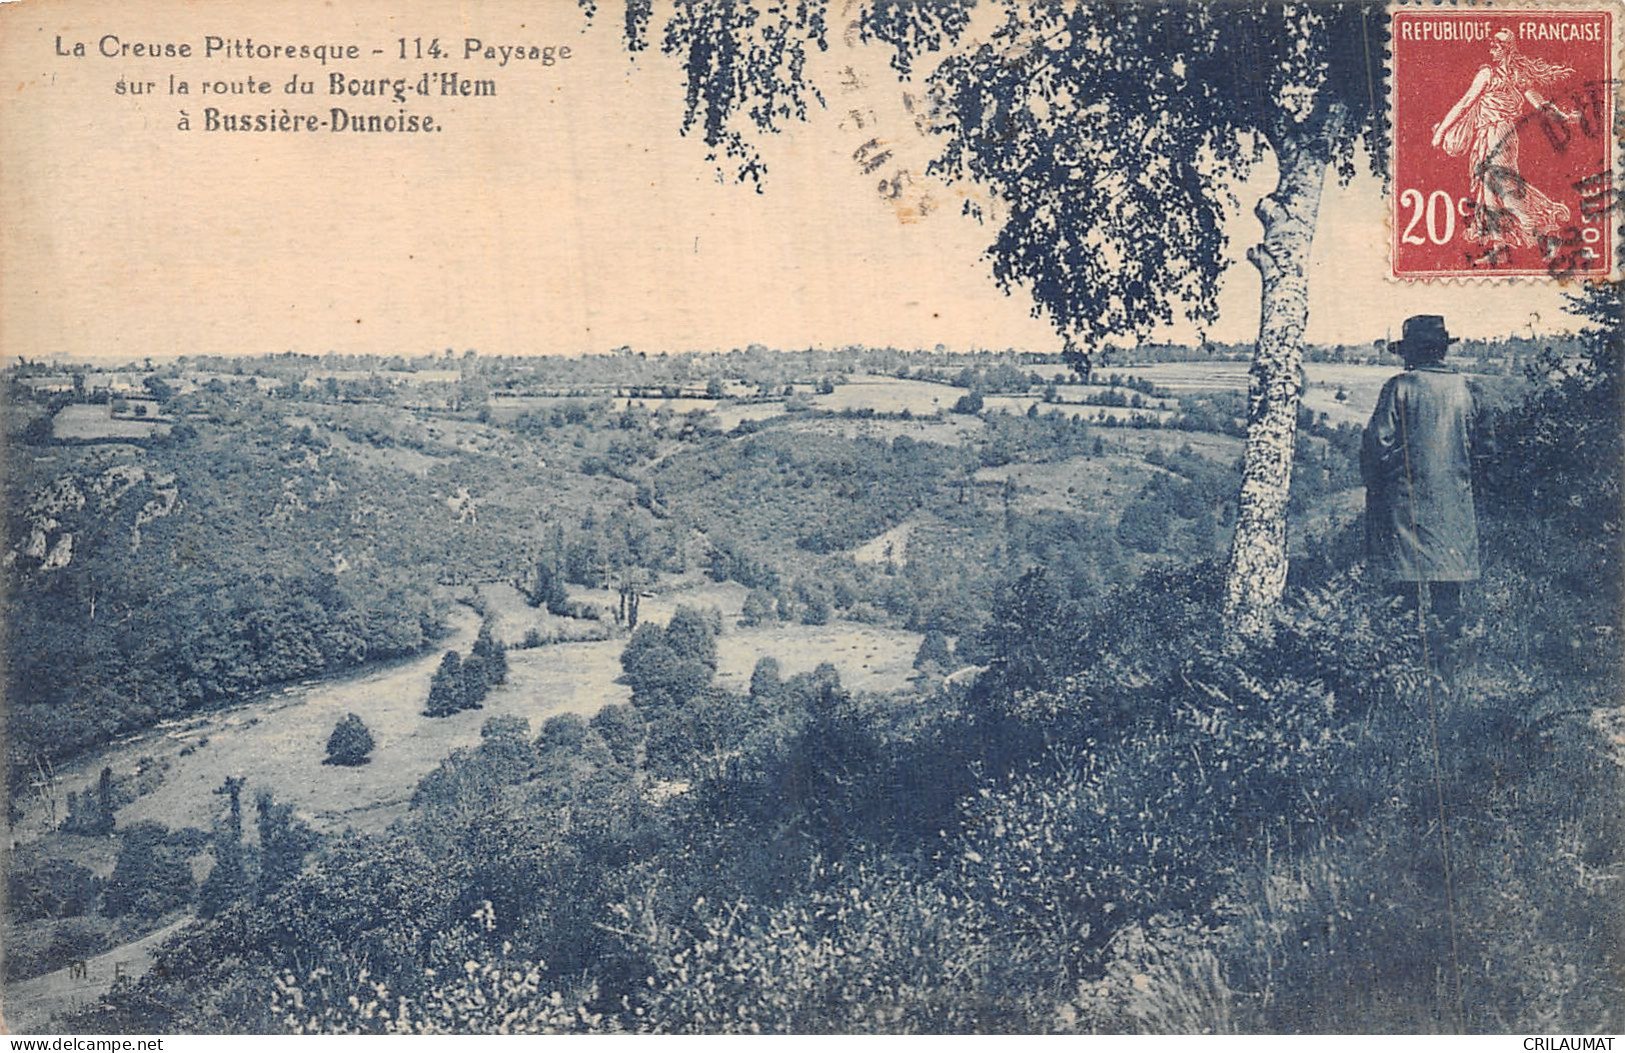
<point x="1424" y="334"/>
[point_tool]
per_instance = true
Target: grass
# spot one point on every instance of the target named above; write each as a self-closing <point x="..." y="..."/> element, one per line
<point x="868" y="658"/>
<point x="276" y="741"/>
<point x="1020" y="404"/>
<point x="90" y="422"/>
<point x="890" y="547"/>
<point x="889" y="395"/>
<point x="1075" y="484"/>
<point x="514" y="619"/>
<point x="282" y="750"/>
<point x="953" y="429"/>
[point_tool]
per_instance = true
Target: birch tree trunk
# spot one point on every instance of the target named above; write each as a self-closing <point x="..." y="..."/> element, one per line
<point x="1256" y="575"/>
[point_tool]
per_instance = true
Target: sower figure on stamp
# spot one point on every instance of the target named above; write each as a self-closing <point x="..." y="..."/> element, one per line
<point x="1483" y="123"/>
<point x="1417" y="462"/>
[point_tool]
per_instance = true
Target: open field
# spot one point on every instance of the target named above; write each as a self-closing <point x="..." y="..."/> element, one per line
<point x="890" y="547"/>
<point x="277" y="743"/>
<point x="679" y="405"/>
<point x="1020" y="404"/>
<point x="728" y="413"/>
<point x="889" y="395"/>
<point x="1358" y="383"/>
<point x="1207" y="444"/>
<point x="90" y="422"/>
<point x="953" y="429"/>
<point x="869" y="658"/>
<point x="1360" y="386"/>
<point x="727" y="597"/>
<point x="513" y="618"/>
<point x="1077" y="484"/>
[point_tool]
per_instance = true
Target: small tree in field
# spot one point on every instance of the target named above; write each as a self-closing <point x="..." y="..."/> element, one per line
<point x="93" y="812"/>
<point x="151" y="876"/>
<point x="765" y="680"/>
<point x="228" y="880"/>
<point x="934" y="654"/>
<point x="350" y="743"/>
<point x="491" y="650"/>
<point x="759" y="608"/>
<point x="285" y="840"/>
<point x="547" y="589"/>
<point x="691" y="636"/>
<point x="446" y="687"/>
<point x="476" y="682"/>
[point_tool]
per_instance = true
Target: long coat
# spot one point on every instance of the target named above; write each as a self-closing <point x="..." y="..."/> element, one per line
<point x="1417" y="461"/>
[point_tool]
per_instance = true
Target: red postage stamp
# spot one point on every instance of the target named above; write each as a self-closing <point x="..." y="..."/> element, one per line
<point x="1503" y="143"/>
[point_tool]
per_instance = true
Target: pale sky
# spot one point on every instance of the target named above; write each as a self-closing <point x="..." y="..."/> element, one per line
<point x="564" y="215"/>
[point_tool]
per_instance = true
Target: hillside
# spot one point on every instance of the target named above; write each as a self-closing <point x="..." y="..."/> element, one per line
<point x="868" y="705"/>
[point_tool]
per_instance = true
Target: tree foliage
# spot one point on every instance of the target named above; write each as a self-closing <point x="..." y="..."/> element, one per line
<point x="494" y="653"/>
<point x="285" y="841"/>
<point x="446" y="687"/>
<point x="151" y="875"/>
<point x="1112" y="138"/>
<point x="350" y="744"/>
<point x="935" y="653"/>
<point x="227" y="882"/>
<point x="1110" y="134"/>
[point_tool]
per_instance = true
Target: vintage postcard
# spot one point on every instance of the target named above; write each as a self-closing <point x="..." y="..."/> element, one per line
<point x="811" y="516"/>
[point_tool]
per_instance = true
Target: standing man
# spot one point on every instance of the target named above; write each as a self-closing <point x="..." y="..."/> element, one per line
<point x="1417" y="462"/>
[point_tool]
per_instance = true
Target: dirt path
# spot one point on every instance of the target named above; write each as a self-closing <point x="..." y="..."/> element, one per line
<point x="30" y="1005"/>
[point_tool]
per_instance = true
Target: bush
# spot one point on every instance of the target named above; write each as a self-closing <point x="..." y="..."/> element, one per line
<point x="759" y="608"/>
<point x="547" y="588"/>
<point x="934" y="653"/>
<point x="446" y="687"/>
<point x="350" y="743"/>
<point x="654" y="667"/>
<point x="765" y="681"/>
<point x="816" y="612"/>
<point x="50" y="888"/>
<point x="623" y="731"/>
<point x="493" y="653"/>
<point x="869" y="949"/>
<point x="692" y="635"/>
<point x="92" y="812"/>
<point x="32" y="950"/>
<point x="476" y="683"/>
<point x="1144" y="526"/>
<point x="470" y="989"/>
<point x="152" y="874"/>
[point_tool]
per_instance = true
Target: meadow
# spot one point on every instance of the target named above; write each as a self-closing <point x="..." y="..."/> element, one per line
<point x="927" y="723"/>
<point x="91" y="423"/>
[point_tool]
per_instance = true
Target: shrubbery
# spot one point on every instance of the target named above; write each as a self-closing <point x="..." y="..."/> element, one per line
<point x="153" y="873"/>
<point x="1132" y="822"/>
<point x="462" y="683"/>
<point x="350" y="743"/>
<point x="49" y="888"/>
